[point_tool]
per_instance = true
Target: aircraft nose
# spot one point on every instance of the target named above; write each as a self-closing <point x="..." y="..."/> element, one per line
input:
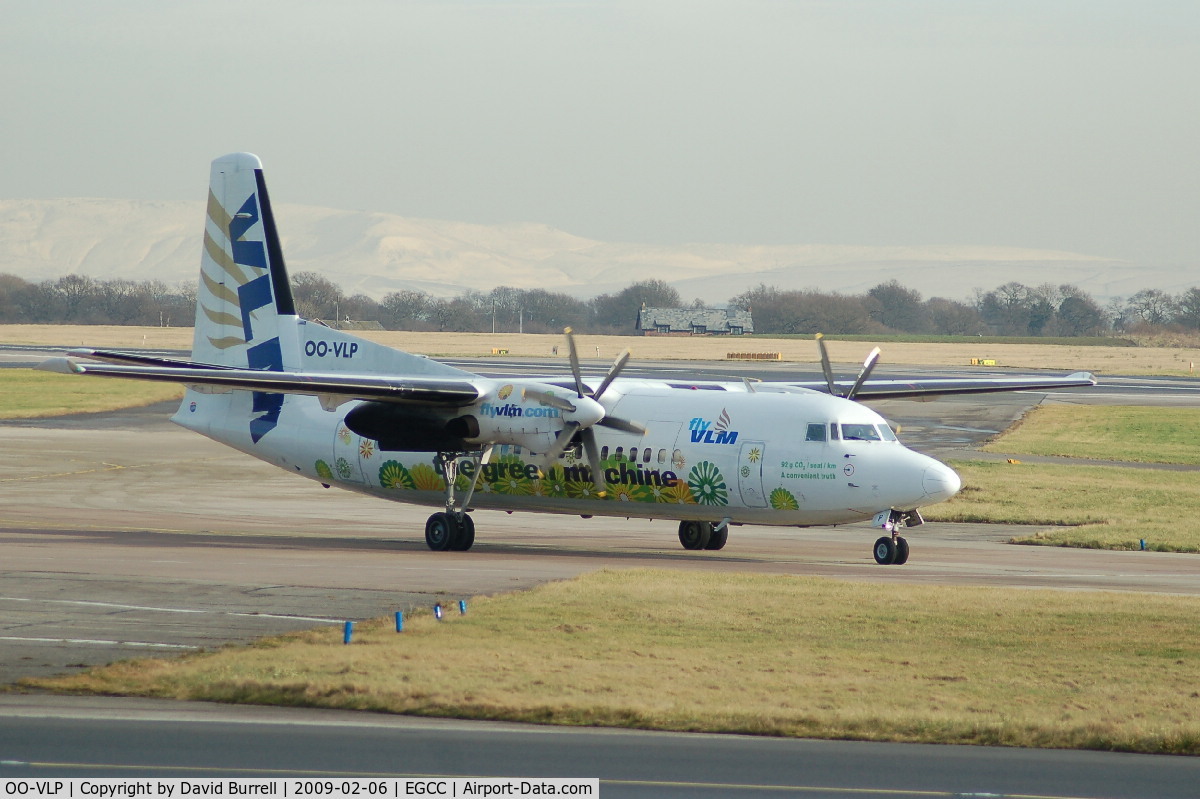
<point x="940" y="482"/>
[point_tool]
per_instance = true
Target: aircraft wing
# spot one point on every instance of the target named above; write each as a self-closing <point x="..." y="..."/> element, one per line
<point x="938" y="387"/>
<point x="410" y="390"/>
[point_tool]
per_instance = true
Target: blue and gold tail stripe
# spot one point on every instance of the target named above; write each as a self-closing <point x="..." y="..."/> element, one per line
<point x="252" y="293"/>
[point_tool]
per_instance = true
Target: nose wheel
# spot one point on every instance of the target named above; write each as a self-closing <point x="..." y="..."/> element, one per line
<point x="892" y="550"/>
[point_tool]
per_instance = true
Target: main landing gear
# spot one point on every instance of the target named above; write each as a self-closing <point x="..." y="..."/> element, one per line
<point x="892" y="550"/>
<point x="704" y="535"/>
<point x="453" y="529"/>
<point x="450" y="532"/>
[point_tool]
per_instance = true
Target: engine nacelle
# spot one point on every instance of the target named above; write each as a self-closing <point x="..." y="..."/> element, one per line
<point x="503" y="415"/>
<point x="506" y="416"/>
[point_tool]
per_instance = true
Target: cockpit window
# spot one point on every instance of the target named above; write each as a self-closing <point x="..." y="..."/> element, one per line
<point x="887" y="433"/>
<point x="816" y="432"/>
<point x="859" y="432"/>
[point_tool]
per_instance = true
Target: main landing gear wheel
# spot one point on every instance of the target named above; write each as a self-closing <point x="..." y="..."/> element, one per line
<point x="444" y="532"/>
<point x="440" y="530"/>
<point x="891" y="551"/>
<point x="466" y="533"/>
<point x="696" y="535"/>
<point x="718" y="538"/>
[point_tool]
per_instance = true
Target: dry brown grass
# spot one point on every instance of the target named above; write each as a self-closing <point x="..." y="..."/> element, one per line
<point x="746" y="654"/>
<point x="1110" y="360"/>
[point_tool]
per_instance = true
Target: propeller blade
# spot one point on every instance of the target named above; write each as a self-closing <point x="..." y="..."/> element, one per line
<point x="868" y="365"/>
<point x="825" y="366"/>
<point x="575" y="370"/>
<point x="623" y="425"/>
<point x="558" y="447"/>
<point x="613" y="371"/>
<point x="593" y="456"/>
<point x="546" y="398"/>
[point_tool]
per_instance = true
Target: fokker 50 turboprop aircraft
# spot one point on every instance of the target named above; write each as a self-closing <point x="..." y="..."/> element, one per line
<point x="344" y="411"/>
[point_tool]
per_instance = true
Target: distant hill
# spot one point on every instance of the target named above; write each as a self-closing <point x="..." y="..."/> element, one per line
<point x="375" y="253"/>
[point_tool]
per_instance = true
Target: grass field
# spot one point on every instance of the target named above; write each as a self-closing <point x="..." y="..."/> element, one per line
<point x="1106" y="507"/>
<point x="1106" y="432"/>
<point x="745" y="654"/>
<point x="974" y="341"/>
<point x="1096" y="507"/>
<point x="27" y="393"/>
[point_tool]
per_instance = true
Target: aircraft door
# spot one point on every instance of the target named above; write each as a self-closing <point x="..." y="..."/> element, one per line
<point x="750" y="474"/>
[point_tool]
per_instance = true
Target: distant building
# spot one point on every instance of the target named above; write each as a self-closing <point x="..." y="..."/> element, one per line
<point x="694" y="322"/>
<point x="346" y="324"/>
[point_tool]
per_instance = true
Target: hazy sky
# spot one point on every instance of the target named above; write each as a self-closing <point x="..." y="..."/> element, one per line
<point x="1064" y="125"/>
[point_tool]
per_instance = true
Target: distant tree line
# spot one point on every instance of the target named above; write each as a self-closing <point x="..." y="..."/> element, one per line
<point x="1012" y="309"/>
<point x="81" y="300"/>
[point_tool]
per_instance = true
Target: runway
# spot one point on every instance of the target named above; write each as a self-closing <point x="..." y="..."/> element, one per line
<point x="163" y="738"/>
<point x="122" y="535"/>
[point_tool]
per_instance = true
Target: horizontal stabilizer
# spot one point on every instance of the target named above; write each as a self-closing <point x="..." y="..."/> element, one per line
<point x="414" y="390"/>
<point x="110" y="356"/>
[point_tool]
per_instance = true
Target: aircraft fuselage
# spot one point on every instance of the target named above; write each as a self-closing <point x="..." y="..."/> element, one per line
<point x="773" y="457"/>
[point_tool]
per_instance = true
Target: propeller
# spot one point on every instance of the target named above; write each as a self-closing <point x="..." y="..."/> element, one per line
<point x="868" y="367"/>
<point x="586" y="434"/>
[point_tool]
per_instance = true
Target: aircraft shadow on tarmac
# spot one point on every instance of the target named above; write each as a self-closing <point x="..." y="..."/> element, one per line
<point x="157" y="539"/>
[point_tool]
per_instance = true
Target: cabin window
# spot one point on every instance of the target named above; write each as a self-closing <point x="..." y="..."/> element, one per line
<point x="677" y="457"/>
<point x="604" y="453"/>
<point x="816" y="432"/>
<point x="633" y="453"/>
<point x="620" y="453"/>
<point x="646" y="455"/>
<point x="859" y="432"/>
<point x="887" y="433"/>
<point x="662" y="456"/>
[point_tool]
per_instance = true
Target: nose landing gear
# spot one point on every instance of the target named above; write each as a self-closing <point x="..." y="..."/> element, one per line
<point x="892" y="550"/>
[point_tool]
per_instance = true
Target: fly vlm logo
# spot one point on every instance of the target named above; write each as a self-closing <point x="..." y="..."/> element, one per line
<point x="705" y="432"/>
<point x="513" y="410"/>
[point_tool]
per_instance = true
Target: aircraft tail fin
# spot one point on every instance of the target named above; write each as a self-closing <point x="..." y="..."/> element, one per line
<point x="245" y="313"/>
<point x="244" y="294"/>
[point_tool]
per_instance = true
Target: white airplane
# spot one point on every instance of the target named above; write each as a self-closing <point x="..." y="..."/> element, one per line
<point x="344" y="411"/>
